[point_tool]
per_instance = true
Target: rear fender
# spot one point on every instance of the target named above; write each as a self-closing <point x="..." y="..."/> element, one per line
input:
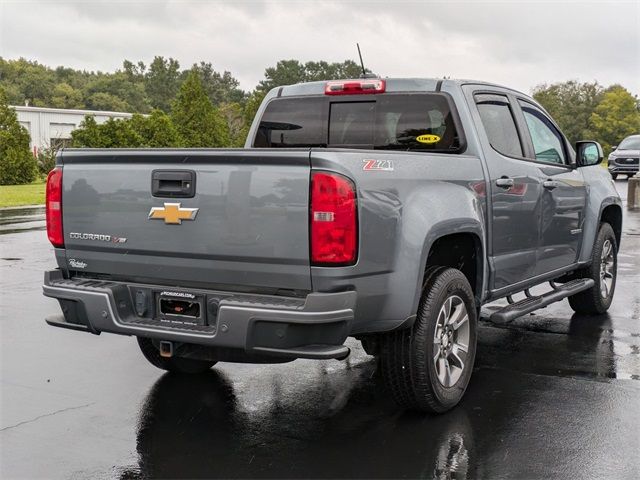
<point x="394" y="245"/>
<point x="464" y="216"/>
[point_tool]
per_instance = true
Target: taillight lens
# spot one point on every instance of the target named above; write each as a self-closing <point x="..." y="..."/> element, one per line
<point x="54" y="207"/>
<point x="355" y="87"/>
<point x="334" y="220"/>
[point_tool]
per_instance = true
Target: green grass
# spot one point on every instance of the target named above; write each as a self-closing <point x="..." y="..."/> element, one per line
<point x="17" y="195"/>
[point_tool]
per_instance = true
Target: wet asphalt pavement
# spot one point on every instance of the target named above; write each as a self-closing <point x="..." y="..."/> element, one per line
<point x="553" y="395"/>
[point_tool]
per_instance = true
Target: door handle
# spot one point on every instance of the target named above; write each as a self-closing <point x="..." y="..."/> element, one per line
<point x="173" y="183"/>
<point x="505" y="182"/>
<point x="549" y="184"/>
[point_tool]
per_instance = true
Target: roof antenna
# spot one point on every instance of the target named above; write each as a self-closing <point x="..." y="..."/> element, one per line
<point x="364" y="71"/>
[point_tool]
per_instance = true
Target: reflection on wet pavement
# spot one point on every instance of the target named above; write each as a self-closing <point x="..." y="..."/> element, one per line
<point x="331" y="420"/>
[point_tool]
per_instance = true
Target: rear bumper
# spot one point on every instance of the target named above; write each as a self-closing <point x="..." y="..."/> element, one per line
<point x="312" y="327"/>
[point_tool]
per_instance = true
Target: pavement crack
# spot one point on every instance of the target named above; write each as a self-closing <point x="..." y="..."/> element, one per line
<point x="51" y="414"/>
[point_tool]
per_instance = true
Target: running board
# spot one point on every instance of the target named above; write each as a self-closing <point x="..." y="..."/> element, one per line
<point x="531" y="303"/>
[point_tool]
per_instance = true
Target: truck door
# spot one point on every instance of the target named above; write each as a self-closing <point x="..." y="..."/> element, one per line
<point x="515" y="190"/>
<point x="563" y="196"/>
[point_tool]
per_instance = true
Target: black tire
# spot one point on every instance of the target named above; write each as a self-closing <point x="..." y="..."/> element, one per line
<point x="408" y="356"/>
<point x="592" y="301"/>
<point x="172" y="364"/>
<point x="614" y="176"/>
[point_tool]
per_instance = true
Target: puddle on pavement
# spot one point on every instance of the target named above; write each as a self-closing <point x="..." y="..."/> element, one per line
<point x="17" y="220"/>
<point x="18" y="215"/>
<point x="580" y="346"/>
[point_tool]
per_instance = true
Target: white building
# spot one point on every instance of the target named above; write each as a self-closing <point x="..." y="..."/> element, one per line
<point x="52" y="127"/>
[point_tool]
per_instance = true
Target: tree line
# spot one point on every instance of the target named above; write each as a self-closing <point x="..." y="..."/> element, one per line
<point x="141" y="88"/>
<point x="589" y="111"/>
<point x="202" y="107"/>
<point x="172" y="107"/>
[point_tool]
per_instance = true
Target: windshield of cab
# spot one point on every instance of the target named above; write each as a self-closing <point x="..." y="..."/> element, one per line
<point x="630" y="143"/>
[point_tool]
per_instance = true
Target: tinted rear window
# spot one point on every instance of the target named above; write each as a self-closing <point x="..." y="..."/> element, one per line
<point x="389" y="121"/>
<point x="287" y="123"/>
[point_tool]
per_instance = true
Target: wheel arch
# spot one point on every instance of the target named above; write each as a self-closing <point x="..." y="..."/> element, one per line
<point x="612" y="214"/>
<point x="609" y="210"/>
<point x="462" y="249"/>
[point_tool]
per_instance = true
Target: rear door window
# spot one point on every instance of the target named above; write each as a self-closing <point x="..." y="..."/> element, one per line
<point x="499" y="125"/>
<point x="420" y="122"/>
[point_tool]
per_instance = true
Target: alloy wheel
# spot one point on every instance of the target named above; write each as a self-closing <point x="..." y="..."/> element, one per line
<point x="607" y="262"/>
<point x="451" y="341"/>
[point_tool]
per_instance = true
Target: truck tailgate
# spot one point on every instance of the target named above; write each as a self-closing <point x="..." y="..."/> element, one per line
<point x="250" y="227"/>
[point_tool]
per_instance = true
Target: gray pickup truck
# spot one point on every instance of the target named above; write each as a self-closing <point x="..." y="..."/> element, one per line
<point x="389" y="210"/>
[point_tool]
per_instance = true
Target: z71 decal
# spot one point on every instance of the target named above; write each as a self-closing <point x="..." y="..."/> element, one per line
<point x="378" y="165"/>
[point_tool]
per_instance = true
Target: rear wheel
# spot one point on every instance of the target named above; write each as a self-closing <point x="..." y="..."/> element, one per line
<point x="428" y="366"/>
<point x="603" y="271"/>
<point x="171" y="364"/>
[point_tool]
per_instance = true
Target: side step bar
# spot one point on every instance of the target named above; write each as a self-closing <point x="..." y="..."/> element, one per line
<point x="529" y="304"/>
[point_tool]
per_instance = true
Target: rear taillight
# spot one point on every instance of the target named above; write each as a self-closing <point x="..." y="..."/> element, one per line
<point x="54" y="207"/>
<point x="355" y="87"/>
<point x="333" y="219"/>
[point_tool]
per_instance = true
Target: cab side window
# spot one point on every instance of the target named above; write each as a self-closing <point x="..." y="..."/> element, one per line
<point x="547" y="140"/>
<point x="498" y="122"/>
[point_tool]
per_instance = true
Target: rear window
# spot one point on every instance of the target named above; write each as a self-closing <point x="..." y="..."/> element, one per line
<point x="291" y="123"/>
<point x="387" y="122"/>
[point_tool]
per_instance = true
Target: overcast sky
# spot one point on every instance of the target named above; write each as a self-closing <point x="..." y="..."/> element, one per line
<point x="519" y="44"/>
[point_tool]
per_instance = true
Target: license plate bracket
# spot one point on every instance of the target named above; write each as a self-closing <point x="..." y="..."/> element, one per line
<point x="180" y="308"/>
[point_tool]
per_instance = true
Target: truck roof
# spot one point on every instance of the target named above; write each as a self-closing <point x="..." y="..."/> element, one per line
<point x="392" y="85"/>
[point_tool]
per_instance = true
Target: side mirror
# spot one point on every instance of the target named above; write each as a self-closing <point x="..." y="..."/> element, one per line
<point x="588" y="153"/>
<point x="615" y="147"/>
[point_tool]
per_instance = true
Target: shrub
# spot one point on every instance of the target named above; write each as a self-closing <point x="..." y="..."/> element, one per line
<point x="46" y="160"/>
<point x="17" y="164"/>
<point x="16" y="168"/>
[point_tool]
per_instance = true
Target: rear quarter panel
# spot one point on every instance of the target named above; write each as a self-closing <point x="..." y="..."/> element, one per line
<point x="401" y="213"/>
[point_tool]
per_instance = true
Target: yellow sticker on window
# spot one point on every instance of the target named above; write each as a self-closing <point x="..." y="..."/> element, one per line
<point x="428" y="138"/>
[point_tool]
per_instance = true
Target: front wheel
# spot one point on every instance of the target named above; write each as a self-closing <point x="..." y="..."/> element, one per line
<point x="603" y="270"/>
<point x="172" y="364"/>
<point x="428" y="367"/>
<point x="614" y="176"/>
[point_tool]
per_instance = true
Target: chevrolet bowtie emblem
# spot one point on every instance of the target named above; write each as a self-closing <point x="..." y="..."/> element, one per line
<point x="172" y="213"/>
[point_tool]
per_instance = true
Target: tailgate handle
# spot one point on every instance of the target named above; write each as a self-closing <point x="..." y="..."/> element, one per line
<point x="173" y="183"/>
